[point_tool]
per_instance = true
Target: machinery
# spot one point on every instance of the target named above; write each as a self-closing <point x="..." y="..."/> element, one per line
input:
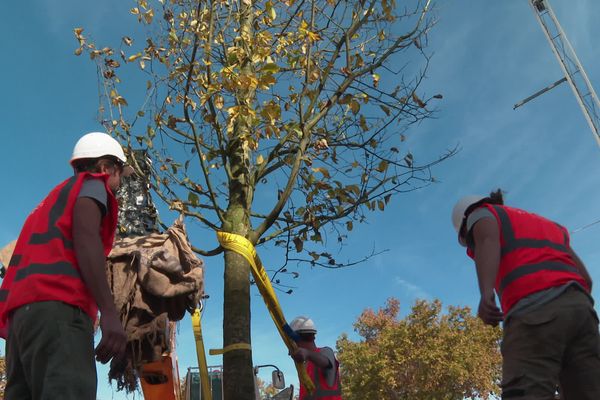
<point x="572" y="69"/>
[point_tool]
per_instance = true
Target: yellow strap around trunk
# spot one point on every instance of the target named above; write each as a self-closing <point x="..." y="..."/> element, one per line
<point x="231" y="347"/>
<point x="243" y="247"/>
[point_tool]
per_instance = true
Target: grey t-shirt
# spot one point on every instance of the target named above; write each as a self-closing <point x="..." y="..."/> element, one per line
<point x="536" y="299"/>
<point x="477" y="215"/>
<point x="95" y="189"/>
<point x="331" y="371"/>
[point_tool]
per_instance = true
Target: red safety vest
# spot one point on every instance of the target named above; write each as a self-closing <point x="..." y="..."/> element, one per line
<point x="322" y="390"/>
<point x="43" y="266"/>
<point x="534" y="255"/>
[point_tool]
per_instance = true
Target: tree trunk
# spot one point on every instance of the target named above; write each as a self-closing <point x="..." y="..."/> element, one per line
<point x="238" y="374"/>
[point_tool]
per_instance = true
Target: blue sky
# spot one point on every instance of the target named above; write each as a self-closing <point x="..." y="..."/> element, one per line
<point x="486" y="57"/>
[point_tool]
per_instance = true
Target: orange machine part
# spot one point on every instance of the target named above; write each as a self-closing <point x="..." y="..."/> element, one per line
<point x="160" y="379"/>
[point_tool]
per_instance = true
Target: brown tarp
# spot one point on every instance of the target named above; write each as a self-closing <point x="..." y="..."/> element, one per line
<point x="154" y="279"/>
<point x="6" y="253"/>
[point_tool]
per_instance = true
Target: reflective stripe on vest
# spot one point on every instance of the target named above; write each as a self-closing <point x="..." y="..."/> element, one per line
<point x="511" y="244"/>
<point x="55" y="213"/>
<point x="57" y="210"/>
<point x="59" y="268"/>
<point x="15" y="259"/>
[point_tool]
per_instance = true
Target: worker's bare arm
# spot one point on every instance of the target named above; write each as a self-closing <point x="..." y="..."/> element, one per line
<point x="89" y="251"/>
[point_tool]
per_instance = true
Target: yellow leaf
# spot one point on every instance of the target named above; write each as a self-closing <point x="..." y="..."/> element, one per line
<point x="219" y="102"/>
<point x="376" y="78"/>
<point x="134" y="57"/>
<point x="78" y="51"/>
<point x="135" y="11"/>
<point x="260" y="159"/>
<point x="270" y="10"/>
<point x="313" y="36"/>
<point x="148" y="15"/>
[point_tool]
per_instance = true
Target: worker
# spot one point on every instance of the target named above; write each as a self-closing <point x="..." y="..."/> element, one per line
<point x="56" y="282"/>
<point x="321" y="365"/>
<point x="550" y="333"/>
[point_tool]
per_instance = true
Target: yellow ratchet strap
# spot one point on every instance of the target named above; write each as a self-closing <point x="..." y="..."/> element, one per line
<point x="202" y="365"/>
<point x="243" y="247"/>
<point x="231" y="347"/>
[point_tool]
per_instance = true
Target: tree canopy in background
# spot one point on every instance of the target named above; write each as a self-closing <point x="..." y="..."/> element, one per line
<point x="426" y="355"/>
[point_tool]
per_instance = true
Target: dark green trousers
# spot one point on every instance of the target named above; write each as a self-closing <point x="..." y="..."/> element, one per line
<point x="50" y="353"/>
<point x="556" y="344"/>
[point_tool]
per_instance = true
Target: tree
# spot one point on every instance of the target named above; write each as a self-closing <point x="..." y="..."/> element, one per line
<point x="265" y="391"/>
<point x="278" y="120"/>
<point x="426" y="355"/>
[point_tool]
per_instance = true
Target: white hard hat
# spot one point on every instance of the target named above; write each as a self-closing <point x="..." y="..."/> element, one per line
<point x="303" y="324"/>
<point x="458" y="212"/>
<point x="95" y="145"/>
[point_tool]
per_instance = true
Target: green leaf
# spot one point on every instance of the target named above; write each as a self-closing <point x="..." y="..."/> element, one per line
<point x="270" y="68"/>
<point x="193" y="199"/>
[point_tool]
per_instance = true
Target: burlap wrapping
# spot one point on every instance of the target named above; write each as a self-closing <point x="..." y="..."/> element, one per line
<point x="6" y="253"/>
<point x="154" y="279"/>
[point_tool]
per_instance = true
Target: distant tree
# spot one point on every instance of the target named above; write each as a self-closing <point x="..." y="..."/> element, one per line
<point x="2" y="376"/>
<point x="426" y="355"/>
<point x="278" y="120"/>
<point x="265" y="391"/>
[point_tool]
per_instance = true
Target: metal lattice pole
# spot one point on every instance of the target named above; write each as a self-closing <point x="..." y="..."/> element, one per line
<point x="572" y="68"/>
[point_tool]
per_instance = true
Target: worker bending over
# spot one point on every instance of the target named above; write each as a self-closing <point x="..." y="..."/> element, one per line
<point x="550" y="326"/>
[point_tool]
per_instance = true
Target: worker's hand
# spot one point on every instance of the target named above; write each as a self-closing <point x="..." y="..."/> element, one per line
<point x="300" y="355"/>
<point x="114" y="339"/>
<point x="488" y="310"/>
